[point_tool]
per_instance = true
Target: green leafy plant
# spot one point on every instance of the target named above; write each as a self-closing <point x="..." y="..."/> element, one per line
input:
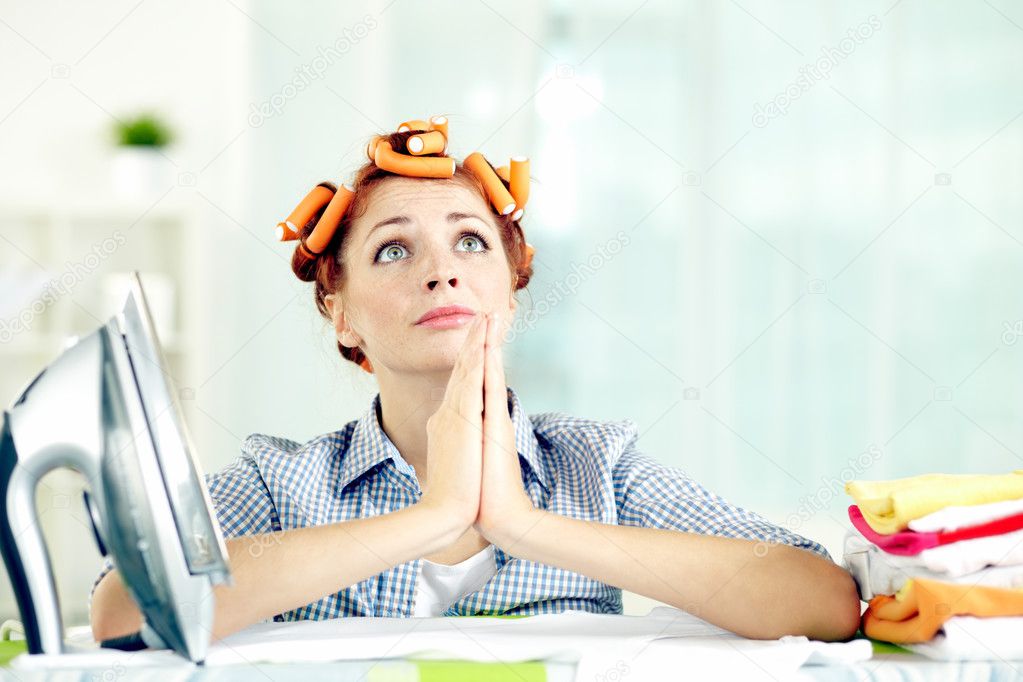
<point x="144" y="130"/>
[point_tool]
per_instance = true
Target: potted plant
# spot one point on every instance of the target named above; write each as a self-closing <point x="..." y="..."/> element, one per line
<point x="139" y="167"/>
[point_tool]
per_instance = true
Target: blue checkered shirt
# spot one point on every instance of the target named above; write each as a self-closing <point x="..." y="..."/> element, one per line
<point x="577" y="467"/>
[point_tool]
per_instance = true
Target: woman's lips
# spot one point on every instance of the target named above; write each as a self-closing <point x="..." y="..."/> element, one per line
<point x="451" y="321"/>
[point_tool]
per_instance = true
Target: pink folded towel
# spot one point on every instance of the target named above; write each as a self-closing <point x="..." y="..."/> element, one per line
<point x="908" y="542"/>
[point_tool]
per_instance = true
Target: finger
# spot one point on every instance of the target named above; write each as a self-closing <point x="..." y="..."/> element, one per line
<point x="495" y="394"/>
<point x="488" y="407"/>
<point x="474" y="346"/>
<point x="470" y="336"/>
<point x="465" y="355"/>
<point x="496" y="350"/>
<point x="454" y="393"/>
<point x="474" y="377"/>
<point x="493" y="326"/>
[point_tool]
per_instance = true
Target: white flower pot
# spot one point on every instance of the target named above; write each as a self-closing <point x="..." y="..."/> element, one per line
<point x="139" y="172"/>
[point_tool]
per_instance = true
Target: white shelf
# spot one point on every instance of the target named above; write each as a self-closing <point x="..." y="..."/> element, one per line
<point x="93" y="208"/>
<point x="58" y="235"/>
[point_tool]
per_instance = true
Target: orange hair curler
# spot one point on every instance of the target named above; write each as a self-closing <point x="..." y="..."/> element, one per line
<point x="518" y="184"/>
<point x="498" y="193"/>
<point x="371" y="148"/>
<point x="284" y="233"/>
<point x="440" y="123"/>
<point x="414" y="166"/>
<point x="310" y="205"/>
<point x="328" y="223"/>
<point x="519" y="180"/>
<point x="432" y="142"/>
<point x="414" y="124"/>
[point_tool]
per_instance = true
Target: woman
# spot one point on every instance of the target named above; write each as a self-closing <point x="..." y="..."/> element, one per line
<point x="445" y="497"/>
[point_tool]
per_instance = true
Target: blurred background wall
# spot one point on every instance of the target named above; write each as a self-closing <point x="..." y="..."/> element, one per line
<point x="785" y="238"/>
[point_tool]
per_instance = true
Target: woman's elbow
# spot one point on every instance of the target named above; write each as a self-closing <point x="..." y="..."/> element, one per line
<point x="113" y="612"/>
<point x="839" y="617"/>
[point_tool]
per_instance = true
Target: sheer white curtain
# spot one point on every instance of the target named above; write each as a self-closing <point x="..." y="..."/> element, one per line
<point x="807" y="296"/>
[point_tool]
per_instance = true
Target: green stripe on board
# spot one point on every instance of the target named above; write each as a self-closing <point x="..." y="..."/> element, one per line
<point x="471" y="671"/>
<point x="11" y="648"/>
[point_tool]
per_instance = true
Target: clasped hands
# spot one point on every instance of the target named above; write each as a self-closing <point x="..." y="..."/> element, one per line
<point x="472" y="463"/>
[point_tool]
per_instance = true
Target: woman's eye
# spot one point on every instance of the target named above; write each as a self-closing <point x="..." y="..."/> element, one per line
<point x="472" y="239"/>
<point x="390" y="250"/>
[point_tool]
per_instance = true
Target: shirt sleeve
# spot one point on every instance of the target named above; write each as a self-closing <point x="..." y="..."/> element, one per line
<point x="653" y="495"/>
<point x="241" y="503"/>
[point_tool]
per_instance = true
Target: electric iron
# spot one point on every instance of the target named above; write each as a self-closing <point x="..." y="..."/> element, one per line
<point x="106" y="408"/>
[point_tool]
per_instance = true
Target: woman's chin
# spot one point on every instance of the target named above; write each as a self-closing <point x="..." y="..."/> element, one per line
<point x="441" y="358"/>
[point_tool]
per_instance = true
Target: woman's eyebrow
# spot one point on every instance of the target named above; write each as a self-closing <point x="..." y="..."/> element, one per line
<point x="453" y="217"/>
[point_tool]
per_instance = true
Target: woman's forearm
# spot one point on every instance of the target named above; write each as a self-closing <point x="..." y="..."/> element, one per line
<point x="755" y="589"/>
<point x="291" y="569"/>
<point x="277" y="572"/>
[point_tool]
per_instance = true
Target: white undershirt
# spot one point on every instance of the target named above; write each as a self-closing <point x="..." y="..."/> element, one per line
<point x="440" y="585"/>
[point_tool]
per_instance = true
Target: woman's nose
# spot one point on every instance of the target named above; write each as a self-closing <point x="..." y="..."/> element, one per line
<point x="441" y="270"/>
<point x="451" y="280"/>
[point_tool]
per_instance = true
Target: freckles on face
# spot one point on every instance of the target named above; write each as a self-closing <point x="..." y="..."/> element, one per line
<point x="422" y="244"/>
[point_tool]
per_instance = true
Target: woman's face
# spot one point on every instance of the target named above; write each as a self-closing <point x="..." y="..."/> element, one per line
<point x="420" y="244"/>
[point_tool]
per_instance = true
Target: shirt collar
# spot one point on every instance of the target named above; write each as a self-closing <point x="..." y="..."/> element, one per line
<point x="370" y="446"/>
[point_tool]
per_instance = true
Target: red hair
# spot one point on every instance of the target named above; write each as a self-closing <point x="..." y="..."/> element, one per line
<point x="328" y="270"/>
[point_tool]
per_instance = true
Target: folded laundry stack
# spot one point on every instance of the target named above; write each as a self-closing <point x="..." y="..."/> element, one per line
<point x="939" y="558"/>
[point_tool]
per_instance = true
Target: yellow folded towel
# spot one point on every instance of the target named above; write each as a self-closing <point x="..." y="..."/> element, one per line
<point x="889" y="506"/>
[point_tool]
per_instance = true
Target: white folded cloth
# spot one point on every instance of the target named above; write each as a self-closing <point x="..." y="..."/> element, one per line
<point x="565" y="636"/>
<point x="603" y="646"/>
<point x="954" y="518"/>
<point x="973" y="638"/>
<point x="878" y="572"/>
